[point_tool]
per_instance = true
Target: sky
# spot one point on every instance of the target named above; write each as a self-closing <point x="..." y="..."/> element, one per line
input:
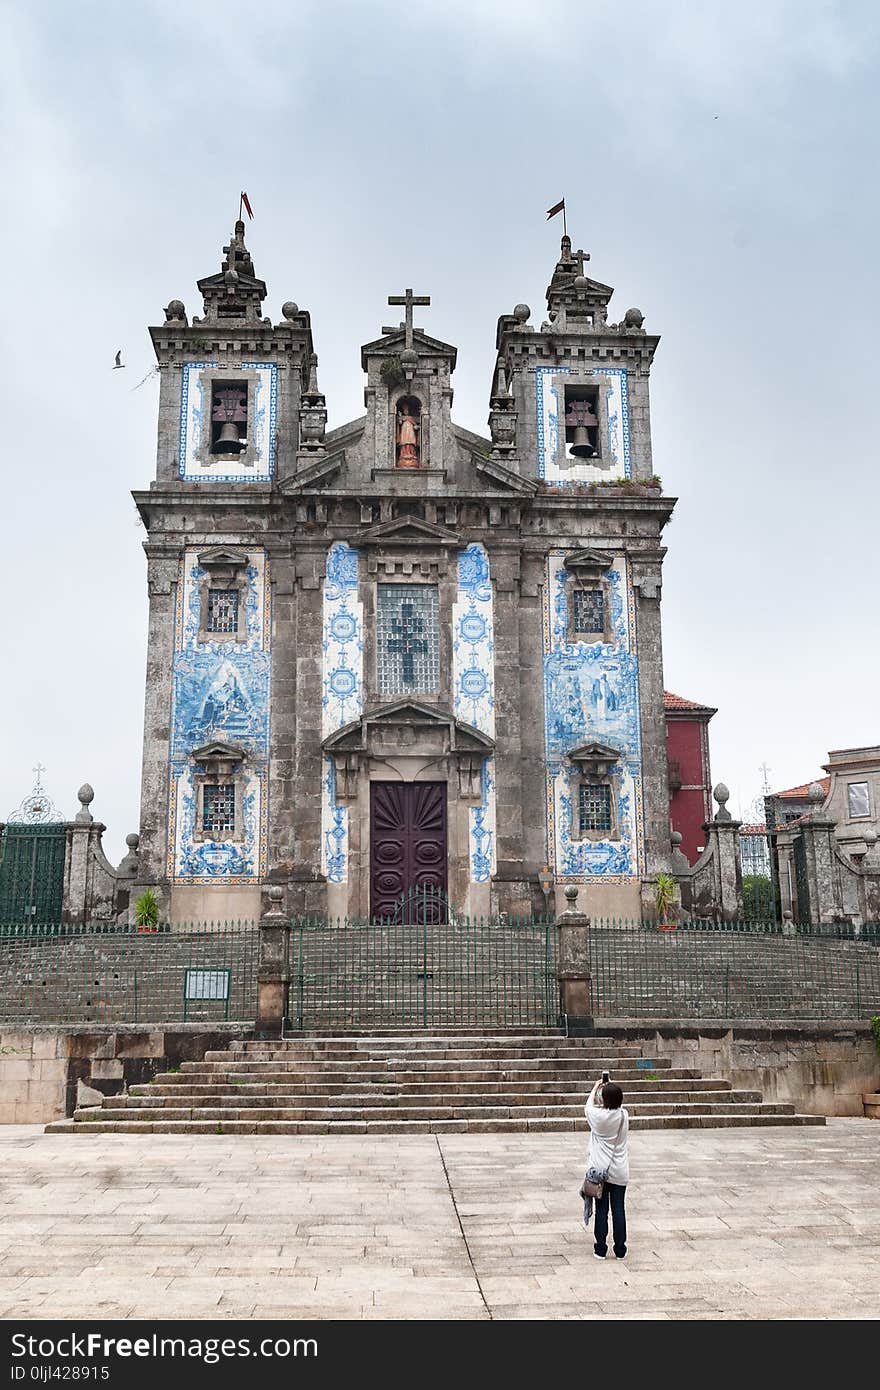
<point x="718" y="161"/>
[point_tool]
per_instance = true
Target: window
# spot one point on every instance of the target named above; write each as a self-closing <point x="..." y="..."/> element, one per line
<point x="594" y="807"/>
<point x="407" y="639"/>
<point x="218" y="811"/>
<point x="229" y="417"/>
<point x="858" y="800"/>
<point x="223" y="610"/>
<point x="589" y="611"/>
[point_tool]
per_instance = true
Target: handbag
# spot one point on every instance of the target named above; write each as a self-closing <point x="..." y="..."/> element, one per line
<point x="595" y="1188"/>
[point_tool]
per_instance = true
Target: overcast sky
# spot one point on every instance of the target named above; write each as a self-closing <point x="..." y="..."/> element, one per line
<point x="719" y="162"/>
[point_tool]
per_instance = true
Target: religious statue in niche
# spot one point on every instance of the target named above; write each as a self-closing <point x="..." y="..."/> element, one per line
<point x="408" y="431"/>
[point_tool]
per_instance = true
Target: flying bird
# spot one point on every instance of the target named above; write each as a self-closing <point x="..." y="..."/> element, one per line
<point x="119" y="362"/>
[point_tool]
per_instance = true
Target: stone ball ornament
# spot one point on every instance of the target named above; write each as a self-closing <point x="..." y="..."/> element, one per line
<point x="580" y="282"/>
<point x="815" y="793"/>
<point x="132" y="841"/>
<point x="409" y="359"/>
<point x="522" y="313"/>
<point x="289" y="309"/>
<point x="86" y="794"/>
<point x="634" y="318"/>
<point x="176" y="309"/>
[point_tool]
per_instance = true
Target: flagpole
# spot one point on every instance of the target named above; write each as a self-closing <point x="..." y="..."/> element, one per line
<point x="564" y="223"/>
<point x="240" y="204"/>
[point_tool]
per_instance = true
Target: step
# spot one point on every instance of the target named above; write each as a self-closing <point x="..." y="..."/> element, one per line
<point x="399" y="1127"/>
<point x="410" y="1112"/>
<point x="355" y="1094"/>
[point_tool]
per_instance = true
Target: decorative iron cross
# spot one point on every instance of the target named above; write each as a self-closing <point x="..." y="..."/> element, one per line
<point x="409" y="299"/>
<point x="406" y="641"/>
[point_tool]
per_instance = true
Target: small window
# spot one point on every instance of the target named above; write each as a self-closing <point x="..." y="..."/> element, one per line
<point x="218" y="811"/>
<point x="594" y="807"/>
<point x="858" y="800"/>
<point x="229" y="417"/>
<point x="223" y="610"/>
<point x="407" y="639"/>
<point x="589" y="611"/>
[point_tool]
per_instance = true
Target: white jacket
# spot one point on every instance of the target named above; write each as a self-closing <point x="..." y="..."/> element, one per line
<point x="609" y="1139"/>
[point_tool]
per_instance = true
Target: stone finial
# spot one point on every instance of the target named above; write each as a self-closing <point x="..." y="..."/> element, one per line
<point x="86" y="796"/>
<point x="175" y="311"/>
<point x="276" y="894"/>
<point x="722" y="796"/>
<point x="275" y="914"/>
<point x="816" y="794"/>
<point x="132" y="841"/>
<point x="676" y="838"/>
<point x="522" y="313"/>
<point x="571" y="896"/>
<point x="289" y="310"/>
<point x="633" y="320"/>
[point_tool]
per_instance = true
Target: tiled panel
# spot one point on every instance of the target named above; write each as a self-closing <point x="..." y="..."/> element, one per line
<point x="220" y="692"/>
<point x="591" y="692"/>
<point x="195" y="461"/>
<point x="343" y="697"/>
<point x="554" y="466"/>
<point x="473" y="675"/>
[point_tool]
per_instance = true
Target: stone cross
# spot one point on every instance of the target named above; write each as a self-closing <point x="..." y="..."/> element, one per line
<point x="580" y="257"/>
<point x="406" y="641"/>
<point x="409" y="299"/>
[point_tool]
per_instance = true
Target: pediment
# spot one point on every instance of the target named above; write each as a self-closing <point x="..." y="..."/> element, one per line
<point x="590" y="561"/>
<point x="406" y="530"/>
<point x="396" y="340"/>
<point x="223" y="557"/>
<point x="227" y="752"/>
<point x="410" y="715"/>
<point x="593" y="757"/>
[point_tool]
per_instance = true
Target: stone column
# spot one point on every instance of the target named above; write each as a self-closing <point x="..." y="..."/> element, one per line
<point x="573" y="967"/>
<point x="822" y="879"/>
<point x="722" y="838"/>
<point x="648" y="643"/>
<point x="76" y="867"/>
<point x="162" y="573"/>
<point x="273" y="975"/>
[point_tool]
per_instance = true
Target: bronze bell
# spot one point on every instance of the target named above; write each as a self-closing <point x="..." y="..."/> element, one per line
<point x="581" y="418"/>
<point x="229" y="442"/>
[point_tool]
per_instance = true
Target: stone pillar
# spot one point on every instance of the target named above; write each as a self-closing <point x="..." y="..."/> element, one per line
<point x="76" y="868"/>
<point x="273" y="975"/>
<point x="648" y="643"/>
<point x="573" y="967"/>
<point x="722" y="839"/>
<point x="823" y="881"/>
<point x="162" y="573"/>
<point x="869" y="886"/>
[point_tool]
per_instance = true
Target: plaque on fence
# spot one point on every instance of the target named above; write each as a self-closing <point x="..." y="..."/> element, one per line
<point x="202" y="985"/>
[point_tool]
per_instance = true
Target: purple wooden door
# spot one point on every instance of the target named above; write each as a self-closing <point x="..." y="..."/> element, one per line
<point x="407" y="841"/>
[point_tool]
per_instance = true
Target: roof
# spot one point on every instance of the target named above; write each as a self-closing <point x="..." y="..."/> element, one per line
<point x="753" y="830"/>
<point x="678" y="704"/>
<point x="802" y="792"/>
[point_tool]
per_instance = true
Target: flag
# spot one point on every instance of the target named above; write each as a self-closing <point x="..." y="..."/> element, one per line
<point x="557" y="207"/>
<point x="244" y="199"/>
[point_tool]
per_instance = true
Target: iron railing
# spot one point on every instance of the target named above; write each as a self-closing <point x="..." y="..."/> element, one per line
<point x="119" y="974"/>
<point x="745" y="971"/>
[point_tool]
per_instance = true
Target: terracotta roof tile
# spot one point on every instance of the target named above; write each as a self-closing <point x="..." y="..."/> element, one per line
<point x="678" y="702"/>
<point x="796" y="793"/>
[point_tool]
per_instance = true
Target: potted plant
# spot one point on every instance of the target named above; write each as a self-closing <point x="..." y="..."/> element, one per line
<point x="665" y="901"/>
<point x="146" y="911"/>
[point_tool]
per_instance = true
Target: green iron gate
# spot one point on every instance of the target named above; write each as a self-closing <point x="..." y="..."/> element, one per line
<point x="32" y="873"/>
<point x="802" y="883"/>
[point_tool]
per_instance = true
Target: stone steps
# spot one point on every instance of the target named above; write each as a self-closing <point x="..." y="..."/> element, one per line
<point x="389" y="1084"/>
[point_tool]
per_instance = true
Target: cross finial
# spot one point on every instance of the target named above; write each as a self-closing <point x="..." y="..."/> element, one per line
<point x="409" y="299"/>
<point x="39" y="770"/>
<point x="580" y="257"/>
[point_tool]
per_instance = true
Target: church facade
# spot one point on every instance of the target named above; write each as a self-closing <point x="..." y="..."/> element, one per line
<point x="399" y="654"/>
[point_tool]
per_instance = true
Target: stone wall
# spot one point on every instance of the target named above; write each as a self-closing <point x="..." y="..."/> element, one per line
<point x="45" y="1072"/>
<point x="822" y="1069"/>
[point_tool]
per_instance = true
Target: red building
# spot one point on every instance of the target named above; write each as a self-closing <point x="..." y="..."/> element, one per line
<point x="690" y="782"/>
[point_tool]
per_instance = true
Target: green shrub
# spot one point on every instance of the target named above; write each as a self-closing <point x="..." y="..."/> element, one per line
<point x="875" y="1029"/>
<point x="146" y="909"/>
<point x="758" y="903"/>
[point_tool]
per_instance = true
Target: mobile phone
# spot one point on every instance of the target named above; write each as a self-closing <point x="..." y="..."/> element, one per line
<point x="605" y="1076"/>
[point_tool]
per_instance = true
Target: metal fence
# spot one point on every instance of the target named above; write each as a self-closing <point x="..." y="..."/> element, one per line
<point x="746" y="971"/>
<point x="465" y="971"/>
<point x="119" y="974"/>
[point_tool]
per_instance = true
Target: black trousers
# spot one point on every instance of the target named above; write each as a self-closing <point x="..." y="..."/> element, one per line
<point x="615" y="1195"/>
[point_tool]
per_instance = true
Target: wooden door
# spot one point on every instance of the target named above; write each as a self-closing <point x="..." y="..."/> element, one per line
<point x="408" y="845"/>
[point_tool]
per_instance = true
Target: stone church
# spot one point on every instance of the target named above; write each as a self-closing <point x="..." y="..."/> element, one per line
<point x="397" y="653"/>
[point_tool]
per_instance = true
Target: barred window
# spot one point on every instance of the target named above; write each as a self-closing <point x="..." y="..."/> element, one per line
<point x="589" y="610"/>
<point x="218" y="811"/>
<point x="223" y="610"/>
<point x="594" y="807"/>
<point x="407" y="639"/>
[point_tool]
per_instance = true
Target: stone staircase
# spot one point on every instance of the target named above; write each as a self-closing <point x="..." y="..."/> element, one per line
<point x="421" y="1083"/>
